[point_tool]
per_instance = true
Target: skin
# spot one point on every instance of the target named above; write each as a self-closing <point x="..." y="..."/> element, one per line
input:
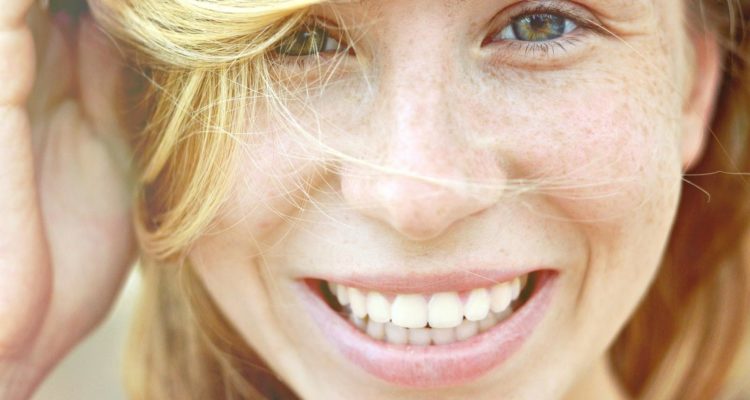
<point x="66" y="240"/>
<point x="609" y="124"/>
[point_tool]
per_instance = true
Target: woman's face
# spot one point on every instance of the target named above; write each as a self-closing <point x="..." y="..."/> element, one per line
<point x="468" y="146"/>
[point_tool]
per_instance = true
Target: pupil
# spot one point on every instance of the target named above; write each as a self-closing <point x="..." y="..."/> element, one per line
<point x="539" y="27"/>
<point x="305" y="42"/>
<point x="310" y="41"/>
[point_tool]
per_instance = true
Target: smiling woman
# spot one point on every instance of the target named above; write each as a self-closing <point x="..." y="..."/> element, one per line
<point x="413" y="157"/>
<point x="532" y="199"/>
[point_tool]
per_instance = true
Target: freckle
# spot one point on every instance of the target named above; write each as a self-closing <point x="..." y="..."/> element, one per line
<point x="264" y="224"/>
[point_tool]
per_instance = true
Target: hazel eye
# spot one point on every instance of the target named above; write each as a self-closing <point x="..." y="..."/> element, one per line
<point x="309" y="40"/>
<point x="537" y="28"/>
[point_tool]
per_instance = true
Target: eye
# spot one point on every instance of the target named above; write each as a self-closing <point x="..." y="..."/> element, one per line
<point x="538" y="27"/>
<point x="310" y="39"/>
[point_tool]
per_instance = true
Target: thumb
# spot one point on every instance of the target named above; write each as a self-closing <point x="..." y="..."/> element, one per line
<point x="25" y="275"/>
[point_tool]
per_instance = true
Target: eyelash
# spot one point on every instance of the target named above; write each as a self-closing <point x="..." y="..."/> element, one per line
<point x="541" y="47"/>
<point x="547" y="47"/>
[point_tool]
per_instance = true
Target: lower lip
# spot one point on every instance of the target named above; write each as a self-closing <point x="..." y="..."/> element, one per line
<point x="433" y="366"/>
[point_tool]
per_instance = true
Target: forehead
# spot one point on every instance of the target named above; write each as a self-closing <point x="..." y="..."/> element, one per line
<point x="609" y="9"/>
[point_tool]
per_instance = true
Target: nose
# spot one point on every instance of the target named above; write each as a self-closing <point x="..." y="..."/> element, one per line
<point x="428" y="178"/>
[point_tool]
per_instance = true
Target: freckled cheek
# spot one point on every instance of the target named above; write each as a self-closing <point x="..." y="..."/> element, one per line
<point x="609" y="162"/>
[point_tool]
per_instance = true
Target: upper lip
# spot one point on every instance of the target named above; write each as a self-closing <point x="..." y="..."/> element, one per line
<point x="413" y="282"/>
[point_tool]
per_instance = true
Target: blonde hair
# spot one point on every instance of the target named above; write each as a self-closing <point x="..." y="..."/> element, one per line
<point x="205" y="64"/>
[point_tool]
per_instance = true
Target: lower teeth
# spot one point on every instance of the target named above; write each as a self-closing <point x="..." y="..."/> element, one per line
<point x="395" y="334"/>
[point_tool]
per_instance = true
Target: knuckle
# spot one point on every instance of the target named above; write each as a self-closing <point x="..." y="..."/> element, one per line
<point x="17" y="65"/>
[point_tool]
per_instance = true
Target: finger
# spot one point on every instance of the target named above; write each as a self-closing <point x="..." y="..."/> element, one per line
<point x="16" y="46"/>
<point x="25" y="278"/>
<point x="99" y="77"/>
<point x="13" y="12"/>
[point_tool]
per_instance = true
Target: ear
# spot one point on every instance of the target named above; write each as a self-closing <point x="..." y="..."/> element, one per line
<point x="698" y="110"/>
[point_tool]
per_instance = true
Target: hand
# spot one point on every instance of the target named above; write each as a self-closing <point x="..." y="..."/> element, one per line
<point x="66" y="237"/>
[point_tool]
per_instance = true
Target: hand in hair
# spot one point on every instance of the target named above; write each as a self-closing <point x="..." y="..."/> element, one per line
<point x="66" y="240"/>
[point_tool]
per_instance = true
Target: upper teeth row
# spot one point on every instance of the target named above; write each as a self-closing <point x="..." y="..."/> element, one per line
<point x="439" y="310"/>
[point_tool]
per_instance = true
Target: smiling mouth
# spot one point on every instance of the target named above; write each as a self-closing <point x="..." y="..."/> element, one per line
<point x="428" y="319"/>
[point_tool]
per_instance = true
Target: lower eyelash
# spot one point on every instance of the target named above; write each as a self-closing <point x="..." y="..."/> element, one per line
<point x="544" y="48"/>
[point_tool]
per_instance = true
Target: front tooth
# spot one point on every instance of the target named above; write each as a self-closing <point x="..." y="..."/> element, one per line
<point x="443" y="335"/>
<point x="358" y="322"/>
<point x="515" y="288"/>
<point x="376" y="330"/>
<point x="477" y="305"/>
<point x="466" y="330"/>
<point x="342" y="294"/>
<point x="396" y="334"/>
<point x="358" y="302"/>
<point x="419" y="336"/>
<point x="409" y="311"/>
<point x="445" y="310"/>
<point x="500" y="297"/>
<point x="378" y="307"/>
<point x="501" y="316"/>
<point x="488" y="322"/>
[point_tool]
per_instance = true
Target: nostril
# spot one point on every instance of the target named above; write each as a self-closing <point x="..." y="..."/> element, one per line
<point x="423" y="211"/>
<point x="418" y="208"/>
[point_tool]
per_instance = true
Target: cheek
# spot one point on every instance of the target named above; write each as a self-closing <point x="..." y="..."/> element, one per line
<point x="273" y="177"/>
<point x="597" y="151"/>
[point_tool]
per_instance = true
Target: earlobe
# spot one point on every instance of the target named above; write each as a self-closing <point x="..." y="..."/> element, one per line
<point x="699" y="106"/>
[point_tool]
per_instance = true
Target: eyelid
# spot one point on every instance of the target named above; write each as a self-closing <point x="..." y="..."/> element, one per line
<point x="332" y="33"/>
<point x="583" y="18"/>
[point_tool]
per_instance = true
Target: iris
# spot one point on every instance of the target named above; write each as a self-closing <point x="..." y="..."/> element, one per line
<point x="310" y="40"/>
<point x="539" y="27"/>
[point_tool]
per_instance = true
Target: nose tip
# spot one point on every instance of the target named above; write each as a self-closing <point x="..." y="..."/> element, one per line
<point x="417" y="209"/>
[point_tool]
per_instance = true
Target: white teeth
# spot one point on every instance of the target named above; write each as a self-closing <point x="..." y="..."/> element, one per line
<point x="378" y="307"/>
<point x="488" y="322"/>
<point x="342" y="294"/>
<point x="395" y="334"/>
<point x="409" y="311"/>
<point x="358" y="322"/>
<point x="502" y="315"/>
<point x="515" y="288"/>
<point x="466" y="330"/>
<point x="477" y="305"/>
<point x="500" y="297"/>
<point x="358" y="302"/>
<point x="376" y="330"/>
<point x="445" y="310"/>
<point x="443" y="335"/>
<point x="419" y="336"/>
<point x="405" y="319"/>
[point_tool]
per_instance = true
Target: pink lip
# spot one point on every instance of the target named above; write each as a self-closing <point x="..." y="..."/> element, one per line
<point x="433" y="366"/>
<point x="461" y="280"/>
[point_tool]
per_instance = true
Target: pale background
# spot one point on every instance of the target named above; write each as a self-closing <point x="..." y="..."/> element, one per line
<point x="93" y="370"/>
